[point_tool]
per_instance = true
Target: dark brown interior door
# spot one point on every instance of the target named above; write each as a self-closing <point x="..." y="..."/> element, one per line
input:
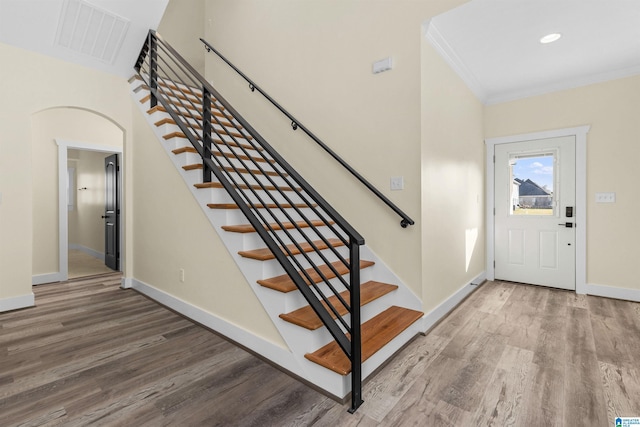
<point x="111" y="214"/>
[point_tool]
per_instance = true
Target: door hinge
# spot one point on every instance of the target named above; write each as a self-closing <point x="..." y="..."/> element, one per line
<point x="494" y="263"/>
<point x="494" y="158"/>
<point x="494" y="211"/>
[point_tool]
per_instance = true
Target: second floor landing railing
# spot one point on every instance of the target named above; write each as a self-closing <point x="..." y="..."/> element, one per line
<point x="295" y="124"/>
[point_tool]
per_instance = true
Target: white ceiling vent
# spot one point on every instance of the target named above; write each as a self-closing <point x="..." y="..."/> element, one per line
<point x="89" y="30"/>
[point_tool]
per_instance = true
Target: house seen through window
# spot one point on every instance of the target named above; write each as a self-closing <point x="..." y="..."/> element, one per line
<point x="532" y="178"/>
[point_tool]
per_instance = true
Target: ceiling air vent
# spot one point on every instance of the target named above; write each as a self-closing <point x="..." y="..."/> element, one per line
<point x="91" y="31"/>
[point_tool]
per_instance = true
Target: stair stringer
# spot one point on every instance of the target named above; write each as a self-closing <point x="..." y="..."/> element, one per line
<point x="299" y="340"/>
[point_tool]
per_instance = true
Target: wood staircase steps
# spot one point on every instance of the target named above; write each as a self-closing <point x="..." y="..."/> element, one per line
<point x="248" y="228"/>
<point x="215" y="108"/>
<point x="230" y="169"/>
<point x="225" y="123"/>
<point x="214" y="184"/>
<point x="265" y="254"/>
<point x="284" y="283"/>
<point x="260" y="206"/>
<point x="214" y="137"/>
<point x="376" y="333"/>
<point x="214" y="132"/>
<point x="307" y="318"/>
<point x="195" y="115"/>
<point x="220" y="154"/>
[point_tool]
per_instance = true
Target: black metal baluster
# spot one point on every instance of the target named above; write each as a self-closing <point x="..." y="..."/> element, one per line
<point x="206" y="134"/>
<point x="356" y="336"/>
<point x="153" y="64"/>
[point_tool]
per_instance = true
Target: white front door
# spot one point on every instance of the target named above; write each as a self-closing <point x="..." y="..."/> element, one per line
<point x="535" y="212"/>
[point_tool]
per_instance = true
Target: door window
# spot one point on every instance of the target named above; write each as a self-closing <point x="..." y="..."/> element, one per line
<point x="531" y="184"/>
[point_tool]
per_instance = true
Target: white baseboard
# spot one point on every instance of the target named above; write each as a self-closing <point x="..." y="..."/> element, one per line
<point x="40" y="279"/>
<point x="127" y="283"/>
<point x="88" y="251"/>
<point x="612" y="292"/>
<point x="438" y="313"/>
<point x="15" y="303"/>
<point x="266" y="349"/>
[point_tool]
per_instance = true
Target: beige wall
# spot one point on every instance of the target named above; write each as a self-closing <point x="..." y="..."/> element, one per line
<point x="315" y="58"/>
<point x="31" y="83"/>
<point x="453" y="238"/>
<point x="182" y="26"/>
<point x="77" y="125"/>
<point x="90" y="203"/>
<point x="613" y="149"/>
<point x="170" y="232"/>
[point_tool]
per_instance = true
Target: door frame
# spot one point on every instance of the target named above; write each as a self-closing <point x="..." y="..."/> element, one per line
<point x="580" y="134"/>
<point x="63" y="212"/>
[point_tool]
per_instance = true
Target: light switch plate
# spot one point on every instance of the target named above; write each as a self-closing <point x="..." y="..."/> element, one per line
<point x="397" y="183"/>
<point x="605" y="197"/>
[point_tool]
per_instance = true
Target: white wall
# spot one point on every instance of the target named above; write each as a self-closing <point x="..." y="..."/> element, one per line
<point x="613" y="149"/>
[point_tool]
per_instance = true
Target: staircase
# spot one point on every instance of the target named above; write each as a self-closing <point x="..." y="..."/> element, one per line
<point x="308" y="267"/>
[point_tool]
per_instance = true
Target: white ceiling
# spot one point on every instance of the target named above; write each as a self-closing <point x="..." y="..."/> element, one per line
<point x="33" y="25"/>
<point x="494" y="44"/>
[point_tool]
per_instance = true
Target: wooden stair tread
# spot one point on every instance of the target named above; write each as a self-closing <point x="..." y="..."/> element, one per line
<point x="307" y="318"/>
<point x="260" y="205"/>
<point x="220" y="154"/>
<point x="376" y="333"/>
<point x="170" y="121"/>
<point x="214" y="184"/>
<point x="265" y="254"/>
<point x="248" y="228"/>
<point x="284" y="283"/>
<point x="195" y="116"/>
<point x="230" y="169"/>
<point x="215" y="138"/>
<point x="214" y="132"/>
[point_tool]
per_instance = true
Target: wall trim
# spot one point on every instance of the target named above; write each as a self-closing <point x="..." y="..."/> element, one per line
<point x="126" y="283"/>
<point x="16" y="303"/>
<point x="40" y="279"/>
<point x="612" y="292"/>
<point x="63" y="213"/>
<point x="274" y="353"/>
<point x="444" y="308"/>
<point x="88" y="251"/>
<point x="580" y="134"/>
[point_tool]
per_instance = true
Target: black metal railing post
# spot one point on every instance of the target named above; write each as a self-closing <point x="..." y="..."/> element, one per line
<point x="206" y="134"/>
<point x="153" y="67"/>
<point x="356" y="336"/>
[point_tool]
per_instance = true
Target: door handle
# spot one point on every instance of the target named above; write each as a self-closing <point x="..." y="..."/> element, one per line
<point x="105" y="216"/>
<point x="567" y="224"/>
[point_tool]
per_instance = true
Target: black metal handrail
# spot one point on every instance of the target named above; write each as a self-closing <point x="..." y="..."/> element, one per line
<point x="295" y="124"/>
<point x="256" y="177"/>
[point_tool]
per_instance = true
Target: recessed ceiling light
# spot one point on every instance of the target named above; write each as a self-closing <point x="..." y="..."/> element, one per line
<point x="550" y="38"/>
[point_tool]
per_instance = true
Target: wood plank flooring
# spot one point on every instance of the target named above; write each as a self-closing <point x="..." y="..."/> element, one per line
<point x="510" y="355"/>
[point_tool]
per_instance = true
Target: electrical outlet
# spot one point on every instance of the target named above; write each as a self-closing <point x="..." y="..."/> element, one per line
<point x="181" y="271"/>
<point x="605" y="197"/>
<point x="397" y="183"/>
